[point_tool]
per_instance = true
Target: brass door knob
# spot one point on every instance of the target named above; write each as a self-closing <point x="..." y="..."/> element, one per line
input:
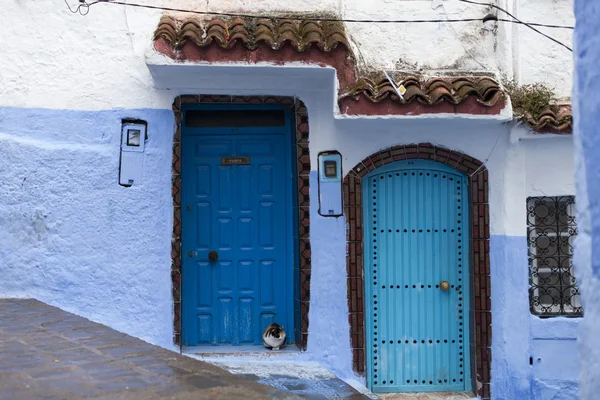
<point x="444" y="285"/>
<point x="213" y="256"/>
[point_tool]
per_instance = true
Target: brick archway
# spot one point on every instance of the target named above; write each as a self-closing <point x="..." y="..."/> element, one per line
<point x="480" y="257"/>
<point x="302" y="267"/>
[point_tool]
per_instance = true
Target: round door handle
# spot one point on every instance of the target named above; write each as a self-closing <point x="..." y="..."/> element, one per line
<point x="444" y="285"/>
<point x="213" y="256"/>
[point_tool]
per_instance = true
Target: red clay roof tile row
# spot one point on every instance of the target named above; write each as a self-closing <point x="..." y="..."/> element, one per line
<point x="478" y="95"/>
<point x="557" y="119"/>
<point x="301" y="35"/>
<point x="432" y="91"/>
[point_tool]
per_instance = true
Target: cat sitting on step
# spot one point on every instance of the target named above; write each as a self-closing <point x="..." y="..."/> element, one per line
<point x="274" y="337"/>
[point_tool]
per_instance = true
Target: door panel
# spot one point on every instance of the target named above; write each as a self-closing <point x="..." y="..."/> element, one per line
<point x="416" y="238"/>
<point x="241" y="212"/>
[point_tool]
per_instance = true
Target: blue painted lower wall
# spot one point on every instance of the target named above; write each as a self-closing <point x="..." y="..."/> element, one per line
<point x="71" y="236"/>
<point x="586" y="116"/>
<point x="329" y="339"/>
<point x="532" y="358"/>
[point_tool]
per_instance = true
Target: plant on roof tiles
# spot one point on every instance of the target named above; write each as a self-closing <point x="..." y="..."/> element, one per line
<point x="531" y="100"/>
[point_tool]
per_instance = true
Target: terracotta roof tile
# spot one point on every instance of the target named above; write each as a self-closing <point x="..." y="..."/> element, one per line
<point x="557" y="119"/>
<point x="325" y="43"/>
<point x="300" y="35"/>
<point x="453" y="90"/>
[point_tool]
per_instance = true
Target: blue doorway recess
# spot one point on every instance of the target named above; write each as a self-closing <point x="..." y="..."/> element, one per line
<point x="238" y="250"/>
<point x="417" y="293"/>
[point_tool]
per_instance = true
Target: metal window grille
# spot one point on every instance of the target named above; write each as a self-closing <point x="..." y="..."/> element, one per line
<point x="551" y="229"/>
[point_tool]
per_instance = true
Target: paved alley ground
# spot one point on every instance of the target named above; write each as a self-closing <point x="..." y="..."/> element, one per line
<point x="308" y="379"/>
<point x="47" y="353"/>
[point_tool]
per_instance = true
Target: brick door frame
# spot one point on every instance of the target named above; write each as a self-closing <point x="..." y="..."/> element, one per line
<point x="481" y="332"/>
<point x="302" y="268"/>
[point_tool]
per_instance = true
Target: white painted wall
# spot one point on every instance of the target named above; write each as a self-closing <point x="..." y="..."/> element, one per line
<point x="550" y="166"/>
<point x="541" y="60"/>
<point x="74" y="62"/>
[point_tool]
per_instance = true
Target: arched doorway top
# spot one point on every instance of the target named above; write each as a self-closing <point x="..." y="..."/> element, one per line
<point x="415" y="163"/>
<point x="424" y="151"/>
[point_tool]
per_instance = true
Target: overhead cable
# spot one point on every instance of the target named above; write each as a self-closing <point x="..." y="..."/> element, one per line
<point x="530" y="26"/>
<point x="84" y="7"/>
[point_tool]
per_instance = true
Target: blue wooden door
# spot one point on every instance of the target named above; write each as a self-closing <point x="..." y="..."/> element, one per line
<point x="416" y="243"/>
<point x="236" y="203"/>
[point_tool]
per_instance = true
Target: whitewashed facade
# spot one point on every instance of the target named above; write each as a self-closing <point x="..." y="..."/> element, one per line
<point x="71" y="236"/>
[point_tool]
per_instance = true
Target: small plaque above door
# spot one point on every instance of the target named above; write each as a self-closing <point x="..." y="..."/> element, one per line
<point x="235" y="160"/>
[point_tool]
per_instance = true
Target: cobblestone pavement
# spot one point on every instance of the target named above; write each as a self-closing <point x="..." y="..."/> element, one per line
<point x="47" y="353"/>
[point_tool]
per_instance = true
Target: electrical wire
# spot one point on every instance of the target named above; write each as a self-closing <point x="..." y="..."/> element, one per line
<point x="323" y="19"/>
<point x="292" y="18"/>
<point x="530" y="26"/>
<point x="473" y="57"/>
<point x="83" y="8"/>
<point x="535" y="24"/>
<point x="86" y="6"/>
<point x="488" y="157"/>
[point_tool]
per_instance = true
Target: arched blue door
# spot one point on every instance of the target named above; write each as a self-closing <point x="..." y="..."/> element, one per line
<point x="417" y="278"/>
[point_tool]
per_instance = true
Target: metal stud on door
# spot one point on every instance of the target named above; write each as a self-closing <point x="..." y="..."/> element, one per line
<point x="416" y="267"/>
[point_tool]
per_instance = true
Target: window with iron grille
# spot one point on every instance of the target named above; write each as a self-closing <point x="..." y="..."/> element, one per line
<point x="551" y="229"/>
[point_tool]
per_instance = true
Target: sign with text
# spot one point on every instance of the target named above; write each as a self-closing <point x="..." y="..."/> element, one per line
<point x="235" y="160"/>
